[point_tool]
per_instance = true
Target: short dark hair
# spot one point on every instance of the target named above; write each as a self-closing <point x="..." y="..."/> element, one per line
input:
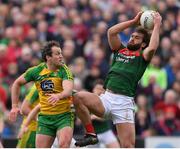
<point x="145" y="33"/>
<point x="46" y="50"/>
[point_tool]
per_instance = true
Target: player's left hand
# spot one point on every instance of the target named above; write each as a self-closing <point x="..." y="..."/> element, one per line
<point x="53" y="99"/>
<point x="23" y="130"/>
<point x="157" y="19"/>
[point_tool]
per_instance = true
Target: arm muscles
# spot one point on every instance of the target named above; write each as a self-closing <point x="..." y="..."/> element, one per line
<point x="15" y="90"/>
<point x="67" y="88"/>
<point x="153" y="45"/>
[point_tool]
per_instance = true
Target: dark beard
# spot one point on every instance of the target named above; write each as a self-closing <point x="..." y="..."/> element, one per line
<point x="133" y="47"/>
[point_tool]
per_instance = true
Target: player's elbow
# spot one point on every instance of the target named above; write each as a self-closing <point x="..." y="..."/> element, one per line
<point x="111" y="31"/>
<point x="152" y="50"/>
<point x="25" y="110"/>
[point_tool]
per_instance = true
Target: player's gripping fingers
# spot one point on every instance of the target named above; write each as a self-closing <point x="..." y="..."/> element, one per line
<point x="13" y="114"/>
<point x="53" y="99"/>
<point x="23" y="130"/>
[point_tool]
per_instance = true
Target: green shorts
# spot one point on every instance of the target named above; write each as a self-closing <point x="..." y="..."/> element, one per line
<point x="49" y="124"/>
<point x="27" y="140"/>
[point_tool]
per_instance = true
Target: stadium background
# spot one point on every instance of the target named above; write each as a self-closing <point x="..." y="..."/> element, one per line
<point x="81" y="26"/>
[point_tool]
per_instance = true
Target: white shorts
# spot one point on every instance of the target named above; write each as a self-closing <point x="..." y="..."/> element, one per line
<point x="118" y="108"/>
<point x="105" y="138"/>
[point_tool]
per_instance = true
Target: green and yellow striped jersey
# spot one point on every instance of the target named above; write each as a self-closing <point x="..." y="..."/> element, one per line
<point x="48" y="81"/>
<point x="33" y="99"/>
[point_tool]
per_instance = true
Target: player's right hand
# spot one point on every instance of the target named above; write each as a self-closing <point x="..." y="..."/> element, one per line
<point x="13" y="114"/>
<point x="137" y="18"/>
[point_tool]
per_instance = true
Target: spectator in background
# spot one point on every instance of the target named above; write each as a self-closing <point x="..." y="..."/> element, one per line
<point x="165" y="49"/>
<point x="3" y="93"/>
<point x="90" y="79"/>
<point x="68" y="51"/>
<point x="79" y="69"/>
<point x="154" y="74"/>
<point x="25" y="59"/>
<point x="171" y="69"/>
<point x="168" y="125"/>
<point x="142" y="117"/>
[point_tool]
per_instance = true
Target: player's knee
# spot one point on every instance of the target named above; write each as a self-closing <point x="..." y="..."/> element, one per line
<point x="64" y="144"/>
<point x="78" y="99"/>
<point x="127" y="143"/>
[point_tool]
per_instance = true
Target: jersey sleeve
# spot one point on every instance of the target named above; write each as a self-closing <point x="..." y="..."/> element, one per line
<point x="29" y="75"/>
<point x="67" y="74"/>
<point x="32" y="95"/>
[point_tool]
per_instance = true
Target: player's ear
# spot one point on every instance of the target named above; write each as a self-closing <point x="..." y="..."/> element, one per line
<point x="143" y="45"/>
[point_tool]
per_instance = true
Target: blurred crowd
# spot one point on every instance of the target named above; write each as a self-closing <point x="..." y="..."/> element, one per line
<point x="81" y="28"/>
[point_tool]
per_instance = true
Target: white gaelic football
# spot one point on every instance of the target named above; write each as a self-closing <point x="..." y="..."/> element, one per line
<point x="146" y="20"/>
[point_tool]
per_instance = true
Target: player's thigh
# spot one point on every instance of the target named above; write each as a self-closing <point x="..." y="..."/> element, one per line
<point x="92" y="101"/>
<point x="44" y="141"/>
<point x="65" y="135"/>
<point x="65" y="127"/>
<point x="27" y="140"/>
<point x="126" y="133"/>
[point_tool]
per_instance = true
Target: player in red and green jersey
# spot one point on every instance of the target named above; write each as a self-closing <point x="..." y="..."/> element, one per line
<point x="54" y="82"/>
<point x="128" y="65"/>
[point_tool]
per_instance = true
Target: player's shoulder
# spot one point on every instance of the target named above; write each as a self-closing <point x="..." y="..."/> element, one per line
<point x="38" y="67"/>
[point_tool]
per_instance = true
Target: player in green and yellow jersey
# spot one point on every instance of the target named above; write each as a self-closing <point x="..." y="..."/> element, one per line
<point x="31" y="100"/>
<point x="54" y="82"/>
<point x="128" y="66"/>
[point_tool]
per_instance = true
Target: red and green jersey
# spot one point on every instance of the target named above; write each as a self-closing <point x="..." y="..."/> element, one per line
<point x="126" y="70"/>
<point x="48" y="81"/>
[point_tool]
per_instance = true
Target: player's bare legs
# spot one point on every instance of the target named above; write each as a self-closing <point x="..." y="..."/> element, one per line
<point x="44" y="141"/>
<point x="126" y="134"/>
<point x="64" y="137"/>
<point x="85" y="103"/>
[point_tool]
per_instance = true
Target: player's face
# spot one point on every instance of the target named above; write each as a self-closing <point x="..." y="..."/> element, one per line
<point x="56" y="58"/>
<point x="135" y="41"/>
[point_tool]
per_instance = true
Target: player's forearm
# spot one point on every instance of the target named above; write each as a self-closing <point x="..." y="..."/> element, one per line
<point x="67" y="89"/>
<point x="32" y="115"/>
<point x="154" y="41"/>
<point x="15" y="92"/>
<point x="116" y="29"/>
<point x="65" y="93"/>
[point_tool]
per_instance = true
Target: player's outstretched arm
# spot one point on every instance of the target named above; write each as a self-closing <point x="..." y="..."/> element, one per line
<point x="113" y="32"/>
<point x="31" y="116"/>
<point x="154" y="41"/>
<point x="67" y="91"/>
<point x="15" y="93"/>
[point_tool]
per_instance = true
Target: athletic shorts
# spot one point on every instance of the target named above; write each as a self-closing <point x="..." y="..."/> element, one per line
<point x="50" y="124"/>
<point x="27" y="140"/>
<point x="118" y="108"/>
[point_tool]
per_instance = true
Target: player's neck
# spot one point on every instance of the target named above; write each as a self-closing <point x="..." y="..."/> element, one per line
<point x="51" y="67"/>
